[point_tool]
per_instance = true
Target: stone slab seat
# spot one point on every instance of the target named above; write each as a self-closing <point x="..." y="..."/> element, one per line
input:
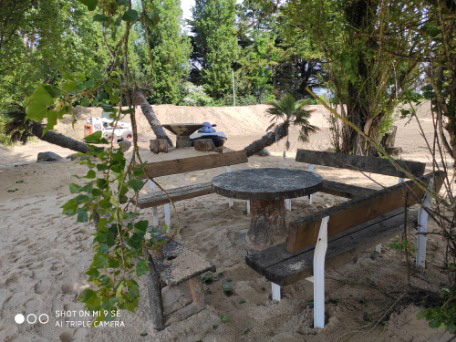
<point x="179" y="264"/>
<point x="178" y="268"/>
<point x="284" y="268"/>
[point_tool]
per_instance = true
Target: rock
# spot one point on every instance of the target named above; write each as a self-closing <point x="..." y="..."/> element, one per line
<point x="204" y="145"/>
<point x="48" y="156"/>
<point x="124" y="145"/>
<point x="263" y="153"/>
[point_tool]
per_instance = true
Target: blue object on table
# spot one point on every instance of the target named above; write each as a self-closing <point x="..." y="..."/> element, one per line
<point x="207" y="128"/>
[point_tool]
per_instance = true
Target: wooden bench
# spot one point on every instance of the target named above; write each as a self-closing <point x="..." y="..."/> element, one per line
<point x="356" y="163"/>
<point x="178" y="166"/>
<point x="339" y="233"/>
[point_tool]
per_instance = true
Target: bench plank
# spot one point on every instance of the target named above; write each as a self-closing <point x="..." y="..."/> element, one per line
<point x="304" y="232"/>
<point x="171" y="167"/>
<point x="285" y="268"/>
<point x="345" y="190"/>
<point x="176" y="194"/>
<point x="339" y="250"/>
<point x="360" y="163"/>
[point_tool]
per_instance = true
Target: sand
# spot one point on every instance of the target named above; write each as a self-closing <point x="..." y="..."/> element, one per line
<point x="43" y="254"/>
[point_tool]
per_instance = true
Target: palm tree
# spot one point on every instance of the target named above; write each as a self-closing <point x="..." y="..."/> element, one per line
<point x="287" y="111"/>
<point x="19" y="128"/>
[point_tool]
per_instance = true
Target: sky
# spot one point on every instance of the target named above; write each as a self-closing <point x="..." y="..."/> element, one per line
<point x="187" y="8"/>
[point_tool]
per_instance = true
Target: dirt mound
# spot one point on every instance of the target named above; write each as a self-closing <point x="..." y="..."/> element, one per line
<point x="234" y="121"/>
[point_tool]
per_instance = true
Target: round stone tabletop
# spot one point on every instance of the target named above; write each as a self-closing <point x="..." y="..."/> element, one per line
<point x="267" y="183"/>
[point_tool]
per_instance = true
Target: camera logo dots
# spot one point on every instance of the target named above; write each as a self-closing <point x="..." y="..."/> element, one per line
<point x="31" y="318"/>
<point x="19" y="318"/>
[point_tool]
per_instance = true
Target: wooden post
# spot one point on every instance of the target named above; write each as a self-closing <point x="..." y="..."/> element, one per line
<point x="159" y="145"/>
<point x="204" y="145"/>
<point x="155" y="298"/>
<point x="268" y="219"/>
<point x="319" y="274"/>
<point x="182" y="141"/>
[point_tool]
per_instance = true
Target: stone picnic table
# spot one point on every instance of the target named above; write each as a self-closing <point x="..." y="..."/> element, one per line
<point x="266" y="188"/>
<point x="182" y="132"/>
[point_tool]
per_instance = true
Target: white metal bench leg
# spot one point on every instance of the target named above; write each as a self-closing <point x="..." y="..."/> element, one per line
<point x="288" y="204"/>
<point x="154" y="209"/>
<point x="248" y="207"/>
<point x="319" y="274"/>
<point x="276" y="294"/>
<point x="167" y="209"/>
<point x="154" y="217"/>
<point x="310" y="169"/>
<point x="378" y="248"/>
<point x="230" y="200"/>
<point x="422" y="228"/>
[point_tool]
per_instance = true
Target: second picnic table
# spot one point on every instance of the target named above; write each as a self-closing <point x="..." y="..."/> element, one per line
<point x="266" y="188"/>
<point x="182" y="132"/>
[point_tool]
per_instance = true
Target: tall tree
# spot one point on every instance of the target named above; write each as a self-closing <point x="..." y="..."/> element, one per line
<point x="45" y="40"/>
<point x="215" y="46"/>
<point x="167" y="50"/>
<point x="367" y="80"/>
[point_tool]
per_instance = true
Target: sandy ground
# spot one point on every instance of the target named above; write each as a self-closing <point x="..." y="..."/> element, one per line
<point x="43" y="254"/>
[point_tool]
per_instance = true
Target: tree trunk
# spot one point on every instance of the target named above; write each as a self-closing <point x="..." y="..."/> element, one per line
<point x="59" y="139"/>
<point x="148" y="112"/>
<point x="266" y="140"/>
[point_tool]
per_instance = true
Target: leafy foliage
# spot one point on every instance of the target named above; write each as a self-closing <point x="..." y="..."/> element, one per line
<point x="215" y="46"/>
<point x="167" y="50"/>
<point x="444" y="316"/>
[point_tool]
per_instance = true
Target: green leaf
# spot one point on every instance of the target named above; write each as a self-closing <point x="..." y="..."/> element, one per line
<point x="94" y="138"/>
<point x="91" y="4"/>
<point x="100" y="18"/>
<point x="38" y="104"/>
<point x="82" y="215"/>
<point x="224" y="319"/>
<point x="142" y="225"/>
<point x="74" y="188"/>
<point x="130" y="16"/>
<point x="91" y="174"/>
<point x="70" y="207"/>
<point x="82" y="198"/>
<point x="85" y="102"/>
<point x="102" y="183"/>
<point x="86" y="295"/>
<point x="99" y="261"/>
<point x="135" y="184"/>
<point x="141" y="267"/>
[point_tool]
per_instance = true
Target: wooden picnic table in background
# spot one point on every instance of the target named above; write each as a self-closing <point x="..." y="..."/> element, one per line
<point x="182" y="132"/>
